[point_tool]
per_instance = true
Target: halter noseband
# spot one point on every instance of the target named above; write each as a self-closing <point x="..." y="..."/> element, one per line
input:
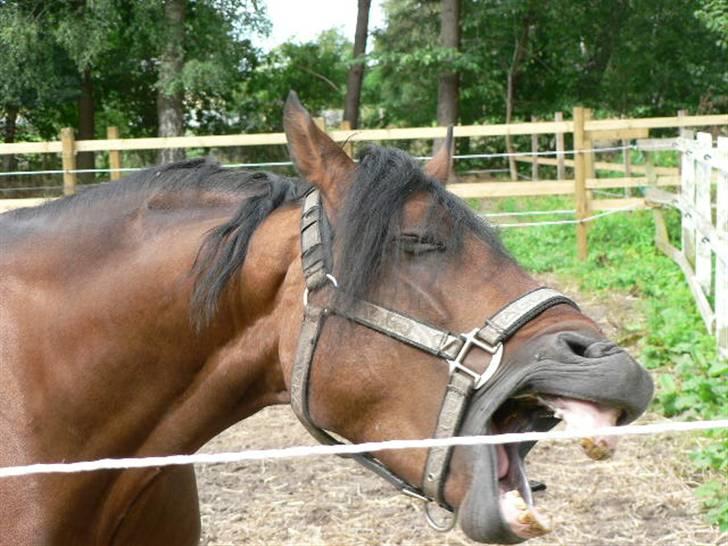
<point x="453" y="348"/>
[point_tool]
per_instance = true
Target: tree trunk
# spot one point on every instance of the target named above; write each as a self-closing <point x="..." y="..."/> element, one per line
<point x="519" y="53"/>
<point x="448" y="87"/>
<point x="10" y="162"/>
<point x="86" y="126"/>
<point x="170" y="106"/>
<point x="356" y="72"/>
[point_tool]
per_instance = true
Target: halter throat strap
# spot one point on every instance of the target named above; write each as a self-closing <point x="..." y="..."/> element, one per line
<point x="453" y="348"/>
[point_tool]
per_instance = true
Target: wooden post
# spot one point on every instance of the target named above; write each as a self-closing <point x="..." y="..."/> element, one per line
<point x="721" y="267"/>
<point x="627" y="160"/>
<point x="68" y="156"/>
<point x="534" y="149"/>
<point x="560" y="167"/>
<point x="703" y="253"/>
<point x="589" y="145"/>
<point x="112" y="133"/>
<point x="582" y="205"/>
<point x="348" y="147"/>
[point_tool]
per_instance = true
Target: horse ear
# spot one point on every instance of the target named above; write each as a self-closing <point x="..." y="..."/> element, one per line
<point x="440" y="166"/>
<point x="316" y="157"/>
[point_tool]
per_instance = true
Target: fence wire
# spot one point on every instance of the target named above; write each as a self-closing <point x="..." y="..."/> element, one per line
<point x="348" y="449"/>
<point x="423" y="158"/>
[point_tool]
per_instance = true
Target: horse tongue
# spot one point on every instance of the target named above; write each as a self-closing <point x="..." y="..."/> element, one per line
<point x="503" y="463"/>
<point x="584" y="415"/>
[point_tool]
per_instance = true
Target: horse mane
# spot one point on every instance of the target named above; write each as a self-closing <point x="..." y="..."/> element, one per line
<point x="365" y="231"/>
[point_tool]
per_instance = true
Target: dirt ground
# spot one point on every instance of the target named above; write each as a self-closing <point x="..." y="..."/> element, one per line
<point x="643" y="496"/>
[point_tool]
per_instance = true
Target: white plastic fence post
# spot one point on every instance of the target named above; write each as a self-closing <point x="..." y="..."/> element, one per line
<point x="721" y="267"/>
<point x="687" y="188"/>
<point x="703" y="257"/>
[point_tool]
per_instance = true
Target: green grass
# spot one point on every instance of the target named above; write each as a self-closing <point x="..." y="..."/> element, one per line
<point x="691" y="380"/>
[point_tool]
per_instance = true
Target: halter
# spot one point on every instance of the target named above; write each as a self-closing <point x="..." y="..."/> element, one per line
<point x="452" y="348"/>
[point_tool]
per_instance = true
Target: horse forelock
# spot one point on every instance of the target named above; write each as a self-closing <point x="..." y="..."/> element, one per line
<point x="367" y="227"/>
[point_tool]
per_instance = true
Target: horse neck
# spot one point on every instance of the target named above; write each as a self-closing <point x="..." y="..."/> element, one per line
<point x="126" y="333"/>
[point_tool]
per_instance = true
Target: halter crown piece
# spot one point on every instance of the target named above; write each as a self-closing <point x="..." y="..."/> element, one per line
<point x="316" y="258"/>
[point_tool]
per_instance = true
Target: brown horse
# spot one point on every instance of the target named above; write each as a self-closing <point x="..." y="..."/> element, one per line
<point x="144" y="317"/>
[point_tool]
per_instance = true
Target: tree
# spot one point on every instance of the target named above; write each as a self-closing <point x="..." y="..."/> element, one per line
<point x="447" y="91"/>
<point x="88" y="33"/>
<point x="30" y="76"/>
<point x="170" y="97"/>
<point x="356" y="72"/>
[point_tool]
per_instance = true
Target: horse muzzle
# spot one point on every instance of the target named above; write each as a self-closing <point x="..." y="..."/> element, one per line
<point x="566" y="376"/>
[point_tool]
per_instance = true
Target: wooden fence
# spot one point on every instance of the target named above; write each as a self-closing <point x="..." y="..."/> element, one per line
<point x="586" y="131"/>
<point x="703" y="255"/>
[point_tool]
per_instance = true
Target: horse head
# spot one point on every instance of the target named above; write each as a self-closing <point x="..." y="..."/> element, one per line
<point x="417" y="322"/>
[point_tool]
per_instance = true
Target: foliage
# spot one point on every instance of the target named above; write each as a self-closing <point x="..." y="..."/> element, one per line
<point x="316" y="70"/>
<point x="714" y="14"/>
<point x="119" y="43"/>
<point x="673" y="342"/>
<point x="645" y="57"/>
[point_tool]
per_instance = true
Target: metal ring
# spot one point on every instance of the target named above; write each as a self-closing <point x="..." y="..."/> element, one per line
<point x="436" y="525"/>
<point x="333" y="280"/>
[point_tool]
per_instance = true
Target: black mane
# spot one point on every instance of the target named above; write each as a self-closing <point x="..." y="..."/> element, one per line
<point x="365" y="232"/>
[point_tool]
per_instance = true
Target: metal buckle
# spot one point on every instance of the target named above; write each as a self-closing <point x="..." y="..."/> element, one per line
<point x="469" y="340"/>
<point x="329" y="277"/>
<point x="448" y="522"/>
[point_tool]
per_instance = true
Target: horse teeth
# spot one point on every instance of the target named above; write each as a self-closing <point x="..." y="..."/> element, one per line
<point x="596" y="450"/>
<point x="536" y="526"/>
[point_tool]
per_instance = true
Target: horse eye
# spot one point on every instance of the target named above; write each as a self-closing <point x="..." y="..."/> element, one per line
<point x="417" y="243"/>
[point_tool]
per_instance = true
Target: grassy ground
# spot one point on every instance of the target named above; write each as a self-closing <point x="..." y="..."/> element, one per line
<point x="667" y="330"/>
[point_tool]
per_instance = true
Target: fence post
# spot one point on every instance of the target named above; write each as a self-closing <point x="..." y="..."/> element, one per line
<point x="687" y="190"/>
<point x="627" y="160"/>
<point x="580" y="196"/>
<point x="68" y="157"/>
<point x="560" y="167"/>
<point x="534" y="150"/>
<point x="112" y="133"/>
<point x="721" y="268"/>
<point x="703" y="258"/>
<point x="661" y="236"/>
<point x="349" y="146"/>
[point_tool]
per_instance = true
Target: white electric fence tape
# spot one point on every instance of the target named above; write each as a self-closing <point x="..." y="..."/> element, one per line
<point x="319" y="450"/>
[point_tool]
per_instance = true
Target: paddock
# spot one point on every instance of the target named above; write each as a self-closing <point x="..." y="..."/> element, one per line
<point x="640" y="497"/>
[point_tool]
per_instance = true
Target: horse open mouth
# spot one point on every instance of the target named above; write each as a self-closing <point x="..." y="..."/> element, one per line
<point x="519" y="519"/>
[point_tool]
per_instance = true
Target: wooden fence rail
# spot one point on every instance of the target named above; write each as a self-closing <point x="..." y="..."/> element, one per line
<point x="703" y="255"/>
<point x="585" y="130"/>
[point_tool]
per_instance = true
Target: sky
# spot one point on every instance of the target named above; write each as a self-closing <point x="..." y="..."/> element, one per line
<point x="303" y="20"/>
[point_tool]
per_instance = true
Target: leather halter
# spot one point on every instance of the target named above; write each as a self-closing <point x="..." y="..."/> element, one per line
<point x="453" y="348"/>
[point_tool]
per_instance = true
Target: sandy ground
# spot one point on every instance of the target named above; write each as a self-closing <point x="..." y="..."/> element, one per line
<point x="643" y="496"/>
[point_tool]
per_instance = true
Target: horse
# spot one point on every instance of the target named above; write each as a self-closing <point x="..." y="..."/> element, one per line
<point x="144" y="317"/>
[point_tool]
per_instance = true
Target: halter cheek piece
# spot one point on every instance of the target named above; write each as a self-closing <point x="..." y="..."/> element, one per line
<point x="453" y="348"/>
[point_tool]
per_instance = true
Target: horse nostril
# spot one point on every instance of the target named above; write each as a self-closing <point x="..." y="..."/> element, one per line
<point x="587" y="347"/>
<point x="600" y="349"/>
<point x="578" y="346"/>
